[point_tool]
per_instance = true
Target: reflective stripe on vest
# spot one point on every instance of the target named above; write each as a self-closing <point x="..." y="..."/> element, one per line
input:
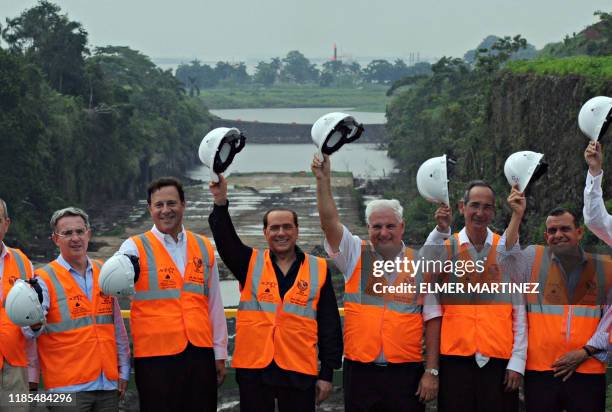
<point x="270" y="328"/>
<point x="389" y="322"/>
<point x="555" y="329"/>
<point x="12" y="341"/>
<point x="79" y="342"/>
<point x="154" y="293"/>
<point x="67" y="322"/>
<point x="304" y="311"/>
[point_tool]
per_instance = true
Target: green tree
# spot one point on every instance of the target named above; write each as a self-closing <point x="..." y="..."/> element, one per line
<point x="298" y="69"/>
<point x="53" y="42"/>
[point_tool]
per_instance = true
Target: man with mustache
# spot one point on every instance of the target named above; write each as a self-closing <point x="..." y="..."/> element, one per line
<point x="483" y="346"/>
<point x="177" y="321"/>
<point x="287" y="313"/>
<point x="567" y="351"/>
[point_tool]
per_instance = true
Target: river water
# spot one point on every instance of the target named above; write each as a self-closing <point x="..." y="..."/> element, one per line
<point x="363" y="160"/>
<point x="303" y="115"/>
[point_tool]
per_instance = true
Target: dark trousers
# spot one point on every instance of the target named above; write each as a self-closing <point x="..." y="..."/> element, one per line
<point x="373" y="388"/>
<point x="465" y="387"/>
<point x="582" y="392"/>
<point x="183" y="382"/>
<point x="257" y="396"/>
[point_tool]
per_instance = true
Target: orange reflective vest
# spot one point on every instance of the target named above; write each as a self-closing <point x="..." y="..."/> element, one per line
<point x="375" y="321"/>
<point x="12" y="341"/>
<point x="170" y="310"/>
<point x="268" y="327"/>
<point x="555" y="329"/>
<point x="482" y="328"/>
<point x="79" y="338"/>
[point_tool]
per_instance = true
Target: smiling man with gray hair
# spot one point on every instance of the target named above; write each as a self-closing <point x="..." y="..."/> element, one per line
<point x="383" y="331"/>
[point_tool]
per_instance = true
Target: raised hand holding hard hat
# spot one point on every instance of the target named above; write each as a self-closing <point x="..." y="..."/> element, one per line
<point x="23" y="303"/>
<point x="595" y="116"/>
<point x="333" y="130"/>
<point x="432" y="179"/>
<point x="118" y="275"/>
<point x="524" y="167"/>
<point x="218" y="148"/>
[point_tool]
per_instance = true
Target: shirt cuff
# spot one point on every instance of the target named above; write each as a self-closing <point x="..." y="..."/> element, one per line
<point x="220" y="352"/>
<point x="124" y="372"/>
<point x="33" y="375"/>
<point x="516" y="364"/>
<point x="431" y="311"/>
<point x="326" y="373"/>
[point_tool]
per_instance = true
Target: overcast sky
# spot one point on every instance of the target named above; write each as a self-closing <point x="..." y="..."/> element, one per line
<point x="247" y="29"/>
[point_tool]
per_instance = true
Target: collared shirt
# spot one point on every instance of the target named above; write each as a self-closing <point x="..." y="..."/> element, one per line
<point x="597" y="219"/>
<point x="32" y="355"/>
<point x="520" y="264"/>
<point x="346" y="259"/>
<point x="123" y="344"/>
<point x="518" y="358"/>
<point x="178" y="252"/>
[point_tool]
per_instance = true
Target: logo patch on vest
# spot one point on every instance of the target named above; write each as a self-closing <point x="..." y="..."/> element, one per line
<point x="166" y="280"/>
<point x="77" y="305"/>
<point x="302" y="285"/>
<point x="198" y="264"/>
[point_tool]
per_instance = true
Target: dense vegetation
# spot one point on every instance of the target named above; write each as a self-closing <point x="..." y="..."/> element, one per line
<point x="480" y="113"/>
<point x="83" y="127"/>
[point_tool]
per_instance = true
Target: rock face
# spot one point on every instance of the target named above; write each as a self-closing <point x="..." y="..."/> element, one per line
<point x="540" y="113"/>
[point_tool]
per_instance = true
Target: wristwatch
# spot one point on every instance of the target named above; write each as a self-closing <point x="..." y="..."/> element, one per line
<point x="432" y="371"/>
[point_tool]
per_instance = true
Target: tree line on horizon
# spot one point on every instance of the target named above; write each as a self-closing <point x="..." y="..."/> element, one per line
<point x="295" y="68"/>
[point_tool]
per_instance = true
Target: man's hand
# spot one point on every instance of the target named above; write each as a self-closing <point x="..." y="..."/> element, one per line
<point x="122" y="387"/>
<point x="566" y="365"/>
<point x="323" y="389"/>
<point x="428" y="387"/>
<point x="221" y="371"/>
<point x="444" y="217"/>
<point x="321" y="168"/>
<point x="219" y="191"/>
<point x="512" y="380"/>
<point x="594" y="157"/>
<point x="517" y="201"/>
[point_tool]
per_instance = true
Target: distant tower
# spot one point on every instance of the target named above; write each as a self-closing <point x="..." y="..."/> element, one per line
<point x="335" y="58"/>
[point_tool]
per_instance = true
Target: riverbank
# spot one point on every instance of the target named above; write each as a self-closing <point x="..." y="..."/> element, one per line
<point x="367" y="98"/>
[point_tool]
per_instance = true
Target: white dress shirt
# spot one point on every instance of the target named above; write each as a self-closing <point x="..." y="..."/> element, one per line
<point x="178" y="252"/>
<point x="346" y="259"/>
<point x="518" y="358"/>
<point x="597" y="219"/>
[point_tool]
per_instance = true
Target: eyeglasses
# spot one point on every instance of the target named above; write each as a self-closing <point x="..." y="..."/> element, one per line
<point x="68" y="233"/>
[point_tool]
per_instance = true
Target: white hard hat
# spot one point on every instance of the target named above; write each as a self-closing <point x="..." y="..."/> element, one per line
<point x="333" y="130"/>
<point x="595" y="117"/>
<point x="522" y="167"/>
<point x="117" y="276"/>
<point x="23" y="306"/>
<point x="432" y="180"/>
<point x="218" y="148"/>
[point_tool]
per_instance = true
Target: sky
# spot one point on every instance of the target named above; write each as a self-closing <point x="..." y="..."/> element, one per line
<point x="239" y="30"/>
